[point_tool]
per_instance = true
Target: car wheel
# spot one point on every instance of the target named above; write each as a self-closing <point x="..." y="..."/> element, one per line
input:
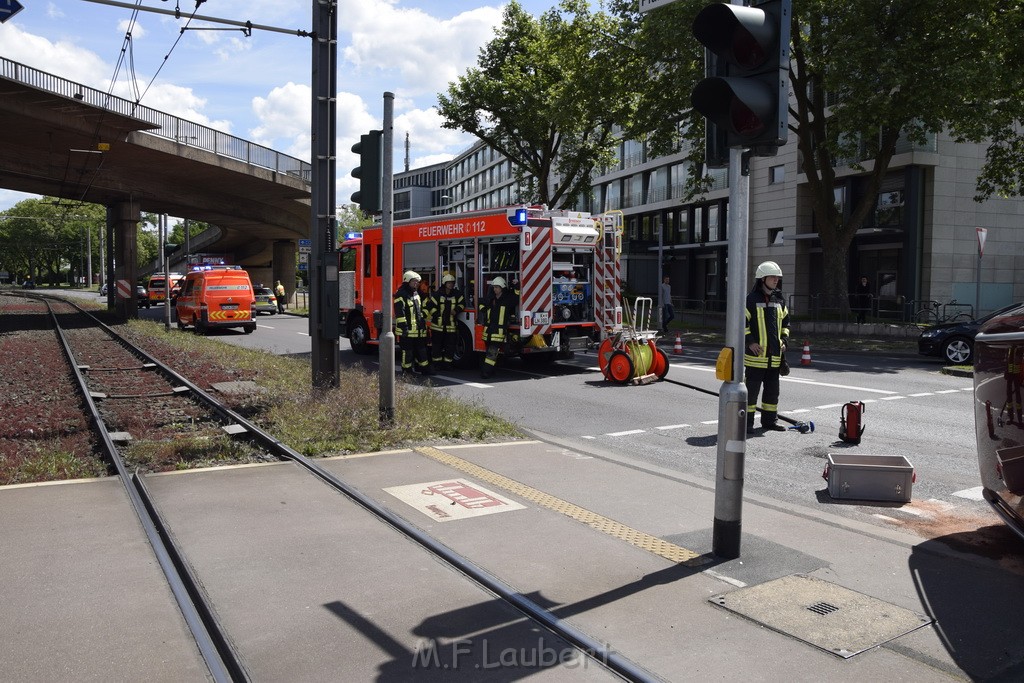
<point x="465" y="356"/>
<point x="958" y="351"/>
<point x="249" y="329"/>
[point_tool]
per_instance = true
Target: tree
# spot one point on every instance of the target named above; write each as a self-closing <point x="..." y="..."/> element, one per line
<point x="546" y="94"/>
<point x="44" y="238"/>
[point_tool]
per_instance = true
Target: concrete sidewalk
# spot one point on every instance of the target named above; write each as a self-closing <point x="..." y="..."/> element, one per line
<point x="311" y="587"/>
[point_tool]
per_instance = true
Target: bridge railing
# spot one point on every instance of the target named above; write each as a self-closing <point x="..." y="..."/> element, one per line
<point x="171" y="127"/>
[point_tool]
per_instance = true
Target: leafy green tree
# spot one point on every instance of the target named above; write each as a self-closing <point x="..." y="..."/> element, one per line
<point x="545" y="93"/>
<point x="50" y="240"/>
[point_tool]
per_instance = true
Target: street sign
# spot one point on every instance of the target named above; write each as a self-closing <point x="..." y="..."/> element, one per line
<point x="124" y="289"/>
<point x="303" y="258"/>
<point x="305" y="250"/>
<point x="648" y="5"/>
<point x="8" y="8"/>
<point x="305" y="243"/>
<point x="303" y="266"/>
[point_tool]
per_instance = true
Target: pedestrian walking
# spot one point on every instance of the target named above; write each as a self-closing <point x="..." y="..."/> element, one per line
<point x="280" y="295"/>
<point x="411" y="325"/>
<point x="766" y="337"/>
<point x="668" y="313"/>
<point x="496" y="312"/>
<point x="863" y="299"/>
<point x="444" y="308"/>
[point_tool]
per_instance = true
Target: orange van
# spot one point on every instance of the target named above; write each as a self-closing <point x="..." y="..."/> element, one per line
<point x="158" y="290"/>
<point x="216" y="296"/>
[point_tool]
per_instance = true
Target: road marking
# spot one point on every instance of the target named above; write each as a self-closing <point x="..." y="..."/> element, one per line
<point x="836" y="386"/>
<point x="691" y="367"/>
<point x="892" y="398"/>
<point x="710" y="422"/>
<point x="948" y="391"/>
<point x="304" y="334"/>
<point x="794" y="412"/>
<point x="626" y="433"/>
<point x="845" y="365"/>
<point x="635" y="537"/>
<point x="830" y="405"/>
<point x="923" y="393"/>
<point x="971" y="494"/>
<point x="266" y="327"/>
<point x="672" y="427"/>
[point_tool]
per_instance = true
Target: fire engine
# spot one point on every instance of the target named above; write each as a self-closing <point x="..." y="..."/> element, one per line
<point x="562" y="265"/>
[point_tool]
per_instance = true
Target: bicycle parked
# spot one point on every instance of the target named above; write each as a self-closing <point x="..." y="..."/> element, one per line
<point x="936" y="313"/>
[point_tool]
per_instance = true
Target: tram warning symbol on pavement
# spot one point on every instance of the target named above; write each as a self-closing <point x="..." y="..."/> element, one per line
<point x="124" y="289"/>
<point x="450" y="499"/>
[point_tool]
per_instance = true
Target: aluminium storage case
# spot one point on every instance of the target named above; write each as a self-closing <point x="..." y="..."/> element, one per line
<point x="870" y="477"/>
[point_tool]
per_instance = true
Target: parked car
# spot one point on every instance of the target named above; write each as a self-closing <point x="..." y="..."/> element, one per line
<point x="103" y="289"/>
<point x="266" y="302"/>
<point x="954" y="342"/>
<point x="142" y="296"/>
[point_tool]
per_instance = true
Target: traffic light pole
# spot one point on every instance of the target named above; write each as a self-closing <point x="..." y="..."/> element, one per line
<point x="732" y="401"/>
<point x="387" y="338"/>
<point x="323" y="321"/>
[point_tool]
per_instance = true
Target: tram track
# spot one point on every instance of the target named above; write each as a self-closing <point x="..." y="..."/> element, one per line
<point x="110" y="369"/>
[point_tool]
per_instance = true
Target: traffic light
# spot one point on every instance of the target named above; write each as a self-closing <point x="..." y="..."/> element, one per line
<point x="370" y="171"/>
<point x="170" y="248"/>
<point x="746" y="93"/>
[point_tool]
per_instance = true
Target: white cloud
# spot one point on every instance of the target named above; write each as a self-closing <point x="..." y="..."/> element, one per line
<point x="138" y="31"/>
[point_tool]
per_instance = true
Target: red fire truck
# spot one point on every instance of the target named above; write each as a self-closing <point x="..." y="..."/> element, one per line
<point x="562" y="265"/>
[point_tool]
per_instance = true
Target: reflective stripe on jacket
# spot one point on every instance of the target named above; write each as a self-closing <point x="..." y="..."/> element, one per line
<point x="495" y="316"/>
<point x="767" y="324"/>
<point x="443" y="308"/>
<point x="409" y="319"/>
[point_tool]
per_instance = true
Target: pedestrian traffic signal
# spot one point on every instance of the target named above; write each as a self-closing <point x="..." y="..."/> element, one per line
<point x="747" y="96"/>
<point x="370" y="171"/>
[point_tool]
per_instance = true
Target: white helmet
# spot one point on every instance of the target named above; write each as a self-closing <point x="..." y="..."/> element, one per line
<point x="499" y="282"/>
<point x="768" y="268"/>
<point x="448" y="277"/>
<point x="410" y="275"/>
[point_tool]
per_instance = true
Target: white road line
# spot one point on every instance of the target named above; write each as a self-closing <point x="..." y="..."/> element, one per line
<point x="923" y="393"/>
<point x="266" y="327"/>
<point x="836" y="386"/>
<point x="968" y="389"/>
<point x="722" y="577"/>
<point x="627" y="433"/>
<point x="710" y="422"/>
<point x="304" y="334"/>
<point x="691" y="367"/>
<point x="672" y="427"/>
<point x="948" y="391"/>
<point x="892" y="398"/>
<point x="794" y="412"/>
<point x="970" y="494"/>
<point x="588" y="437"/>
<point x="845" y="365"/>
<point x="830" y="405"/>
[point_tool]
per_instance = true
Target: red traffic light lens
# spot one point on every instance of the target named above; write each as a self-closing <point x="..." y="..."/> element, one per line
<point x="743" y="120"/>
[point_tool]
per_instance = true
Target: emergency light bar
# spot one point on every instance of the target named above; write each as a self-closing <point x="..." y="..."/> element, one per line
<point x="516" y="216"/>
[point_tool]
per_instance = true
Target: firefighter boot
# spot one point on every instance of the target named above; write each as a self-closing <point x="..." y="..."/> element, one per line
<point x="750" y="419"/>
<point x="770" y="421"/>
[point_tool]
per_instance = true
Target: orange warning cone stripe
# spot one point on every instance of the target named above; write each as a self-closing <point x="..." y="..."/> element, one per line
<point x="805" y="359"/>
<point x="678" y="348"/>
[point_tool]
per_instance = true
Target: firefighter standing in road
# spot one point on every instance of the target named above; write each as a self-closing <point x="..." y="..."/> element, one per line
<point x="496" y="312"/>
<point x="766" y="336"/>
<point x="444" y="307"/>
<point x="411" y="325"/>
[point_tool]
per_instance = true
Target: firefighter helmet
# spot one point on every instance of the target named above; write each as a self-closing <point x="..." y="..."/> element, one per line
<point x="410" y="275"/>
<point x="768" y="268"/>
<point x="499" y="282"/>
<point x="448" y="277"/>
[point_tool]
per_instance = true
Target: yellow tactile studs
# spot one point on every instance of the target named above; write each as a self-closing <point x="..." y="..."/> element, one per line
<point x="652" y="544"/>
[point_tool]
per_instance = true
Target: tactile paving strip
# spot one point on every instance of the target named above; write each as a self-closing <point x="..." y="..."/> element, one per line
<point x="644" y="541"/>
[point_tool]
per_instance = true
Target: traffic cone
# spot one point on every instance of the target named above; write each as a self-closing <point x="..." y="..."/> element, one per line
<point x="678" y="348"/>
<point x="805" y="359"/>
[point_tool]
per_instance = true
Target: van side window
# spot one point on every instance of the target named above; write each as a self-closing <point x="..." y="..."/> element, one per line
<point x="189" y="286"/>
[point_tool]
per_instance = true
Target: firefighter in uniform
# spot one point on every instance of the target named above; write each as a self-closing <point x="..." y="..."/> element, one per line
<point x="766" y="336"/>
<point x="496" y="312"/>
<point x="411" y="325"/>
<point x="444" y="307"/>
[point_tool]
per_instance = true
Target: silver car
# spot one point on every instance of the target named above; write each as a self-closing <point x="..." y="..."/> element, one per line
<point x="266" y="302"/>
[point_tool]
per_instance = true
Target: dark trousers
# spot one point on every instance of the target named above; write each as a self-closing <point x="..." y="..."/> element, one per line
<point x="768" y="378"/>
<point x="668" y="314"/>
<point x="414" y="351"/>
<point x="491" y="358"/>
<point x="442" y="345"/>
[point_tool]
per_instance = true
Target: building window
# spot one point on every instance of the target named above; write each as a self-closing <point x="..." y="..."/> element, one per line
<point x="889" y="213"/>
<point x="776" y="174"/>
<point x="713" y="223"/>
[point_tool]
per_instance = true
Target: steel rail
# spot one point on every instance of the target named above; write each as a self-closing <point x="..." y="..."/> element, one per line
<point x="599" y="652"/>
<point x="222" y="662"/>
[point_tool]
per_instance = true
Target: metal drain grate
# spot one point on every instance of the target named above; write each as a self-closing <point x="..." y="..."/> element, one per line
<point x="794" y="604"/>
<point x="823" y="608"/>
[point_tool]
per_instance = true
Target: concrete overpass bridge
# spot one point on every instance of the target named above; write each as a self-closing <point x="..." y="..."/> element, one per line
<point x="66" y="140"/>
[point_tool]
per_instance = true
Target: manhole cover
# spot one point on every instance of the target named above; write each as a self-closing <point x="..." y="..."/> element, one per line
<point x="833" y="618"/>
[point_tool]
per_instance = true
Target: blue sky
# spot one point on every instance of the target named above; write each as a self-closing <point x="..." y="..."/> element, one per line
<point x="258" y="87"/>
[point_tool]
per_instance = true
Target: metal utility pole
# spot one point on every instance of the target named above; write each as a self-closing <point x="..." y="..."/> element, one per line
<point x="164" y="258"/>
<point x="732" y="401"/>
<point x="323" y="292"/>
<point x="387" y="340"/>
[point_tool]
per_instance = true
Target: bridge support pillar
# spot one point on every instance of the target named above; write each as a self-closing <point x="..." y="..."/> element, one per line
<point x="122" y="221"/>
<point x="284" y="267"/>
